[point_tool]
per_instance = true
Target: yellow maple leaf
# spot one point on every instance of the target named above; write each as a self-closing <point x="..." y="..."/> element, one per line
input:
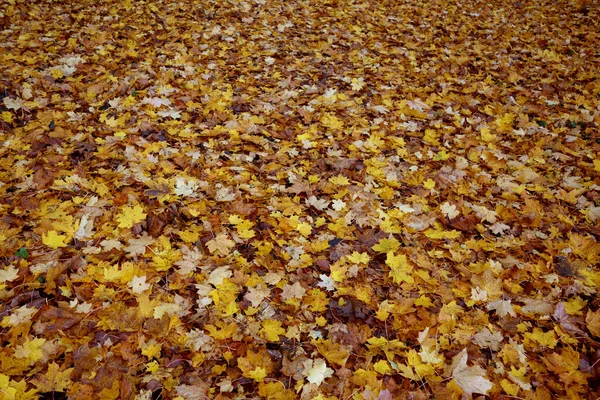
<point x="54" y="380"/>
<point x="546" y="339"/>
<point x="505" y="122"/>
<point x="339" y="180"/>
<point x="189" y="236"/>
<point x="258" y="374"/>
<point x="429" y="184"/>
<point x="112" y="273"/>
<point x="334" y="352"/>
<point x="57" y="73"/>
<point x="384" y="311"/>
<point x="399" y="268"/>
<point x="387" y="245"/>
<point x="574" y="306"/>
<point x="31" y="350"/>
<point x="15" y="389"/>
<point x="130" y="216"/>
<point x="359" y="258"/>
<point x="441" y="155"/>
<point x="316" y="300"/>
<point x="408" y="372"/>
<point x="224" y="331"/>
<point x="332" y="122"/>
<point x="304" y="228"/>
<point x="271" y="329"/>
<point x="275" y="391"/>
<point x="383" y="367"/>
<point x="439" y="233"/>
<point x="152" y="351"/>
<point x="509" y="387"/>
<point x="338" y="272"/>
<point x="54" y="240"/>
<point x="487" y="135"/>
<point x="7" y="116"/>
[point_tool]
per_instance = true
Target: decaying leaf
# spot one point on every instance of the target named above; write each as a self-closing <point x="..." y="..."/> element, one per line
<point x="299" y="199"/>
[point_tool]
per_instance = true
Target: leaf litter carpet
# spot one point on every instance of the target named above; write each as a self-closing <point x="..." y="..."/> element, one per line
<point x="299" y="199"/>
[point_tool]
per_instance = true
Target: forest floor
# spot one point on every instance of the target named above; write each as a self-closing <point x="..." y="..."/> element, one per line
<point x="300" y="199"/>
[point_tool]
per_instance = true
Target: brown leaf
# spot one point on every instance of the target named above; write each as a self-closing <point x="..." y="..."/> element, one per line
<point x="52" y="319"/>
<point x="592" y="319"/>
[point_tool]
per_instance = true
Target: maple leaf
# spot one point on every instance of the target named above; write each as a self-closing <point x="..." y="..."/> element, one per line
<point x="295" y="291"/>
<point x="319" y="204"/>
<point x="429" y="184"/>
<point x="316" y="371"/>
<point x="13" y="104"/>
<point x="156" y="101"/>
<point x="399" y="268"/>
<point x="339" y="180"/>
<point x="357" y="84"/>
<point x="256" y="295"/>
<point x="545" y="339"/>
<point x="19" y="315"/>
<point x="469" y="379"/>
<point x="138" y="284"/>
<point x="304" y="228"/>
<point x="332" y="122"/>
<point x="502" y="308"/>
<point x="326" y="283"/>
<point x="31" y="350"/>
<point x="152" y="351"/>
<point x="130" y="216"/>
<point x="271" y="330"/>
<point x="449" y="210"/>
<point x="82" y="308"/>
<point x="338" y="205"/>
<point x="190" y="262"/>
<point x="219" y="274"/>
<point x="592" y="319"/>
<point x="225" y="194"/>
<point x="258" y="374"/>
<point x="9" y="274"/>
<point x="86" y="226"/>
<point x="109" y="245"/>
<point x="487" y="339"/>
<point x="387" y="245"/>
<point x="310" y="162"/>
<point x="383" y="367"/>
<point x="499" y="228"/>
<point x="275" y="391"/>
<point x="54" y="240"/>
<point x="359" y="258"/>
<point x="54" y="380"/>
<point x="221" y="244"/>
<point x="185" y="187"/>
<point x="138" y="247"/>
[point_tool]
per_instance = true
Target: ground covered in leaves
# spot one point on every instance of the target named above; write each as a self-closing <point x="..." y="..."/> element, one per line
<point x="299" y="199"/>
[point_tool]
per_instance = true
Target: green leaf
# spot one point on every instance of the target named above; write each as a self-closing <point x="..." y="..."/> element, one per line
<point x="22" y="252"/>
